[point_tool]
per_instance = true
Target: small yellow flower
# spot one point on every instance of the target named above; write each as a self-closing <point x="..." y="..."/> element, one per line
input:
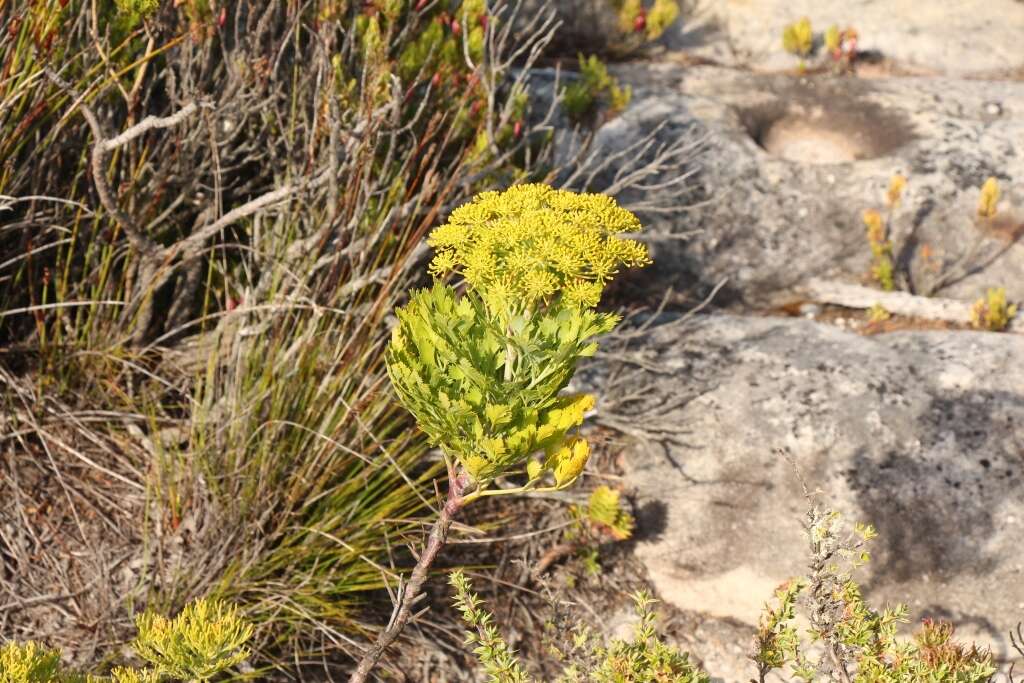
<point x="989" y="198"/>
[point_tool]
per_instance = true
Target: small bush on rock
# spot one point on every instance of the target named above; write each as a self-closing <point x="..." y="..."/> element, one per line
<point x="859" y="643"/>
<point x="992" y="312"/>
<point x="594" y="86"/>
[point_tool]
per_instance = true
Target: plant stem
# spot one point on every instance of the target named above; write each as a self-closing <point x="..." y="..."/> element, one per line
<point x="436" y="541"/>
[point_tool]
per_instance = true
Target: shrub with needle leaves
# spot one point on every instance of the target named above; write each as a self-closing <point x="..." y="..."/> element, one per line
<point x="859" y="643"/>
<point x="206" y="638"/>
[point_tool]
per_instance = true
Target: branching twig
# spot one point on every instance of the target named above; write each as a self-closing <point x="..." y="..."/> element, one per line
<point x="409" y="594"/>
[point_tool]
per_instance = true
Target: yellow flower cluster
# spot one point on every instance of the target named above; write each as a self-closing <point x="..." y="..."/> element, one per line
<point x="525" y="245"/>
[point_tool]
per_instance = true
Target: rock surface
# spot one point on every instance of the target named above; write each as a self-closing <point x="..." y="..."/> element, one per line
<point x="791" y="163"/>
<point x="966" y="37"/>
<point x="918" y="433"/>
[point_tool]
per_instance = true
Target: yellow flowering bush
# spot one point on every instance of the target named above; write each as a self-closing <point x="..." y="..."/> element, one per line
<point x="483" y="367"/>
<point x="207" y="638"/>
<point x="482" y="371"/>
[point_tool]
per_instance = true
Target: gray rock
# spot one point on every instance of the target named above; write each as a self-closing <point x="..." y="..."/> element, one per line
<point x="791" y="163"/>
<point x="918" y="433"/>
<point x="967" y="37"/>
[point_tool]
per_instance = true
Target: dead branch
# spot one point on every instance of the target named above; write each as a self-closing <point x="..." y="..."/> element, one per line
<point x="900" y="303"/>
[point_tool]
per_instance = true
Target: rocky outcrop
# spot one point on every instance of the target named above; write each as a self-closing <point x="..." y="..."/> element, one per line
<point x="918" y="433"/>
<point x="964" y="38"/>
<point x="790" y="164"/>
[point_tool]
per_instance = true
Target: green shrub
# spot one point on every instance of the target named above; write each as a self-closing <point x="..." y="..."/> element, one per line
<point x="482" y="368"/>
<point x="588" y="659"/>
<point x="860" y="644"/>
<point x="594" y="87"/>
<point x="207" y="638"/>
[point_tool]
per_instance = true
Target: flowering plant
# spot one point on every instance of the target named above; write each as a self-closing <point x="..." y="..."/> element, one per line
<point x="482" y="364"/>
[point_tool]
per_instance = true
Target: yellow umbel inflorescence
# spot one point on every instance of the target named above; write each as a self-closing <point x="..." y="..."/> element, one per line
<point x="525" y="245"/>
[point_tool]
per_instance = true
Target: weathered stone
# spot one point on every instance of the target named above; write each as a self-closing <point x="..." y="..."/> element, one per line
<point x="967" y="37"/>
<point x="791" y="163"/>
<point x="918" y="433"/>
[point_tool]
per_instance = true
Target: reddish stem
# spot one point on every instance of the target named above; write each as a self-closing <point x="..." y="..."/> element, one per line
<point x="436" y="541"/>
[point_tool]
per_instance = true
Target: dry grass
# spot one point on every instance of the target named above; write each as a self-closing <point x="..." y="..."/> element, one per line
<point x="193" y="305"/>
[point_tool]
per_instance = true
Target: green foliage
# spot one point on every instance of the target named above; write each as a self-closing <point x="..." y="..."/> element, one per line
<point x="595" y="86"/>
<point x="133" y="11"/>
<point x="28" y="663"/>
<point x="487" y="394"/>
<point x="605" y="513"/>
<point x="798" y="37"/>
<point x="643" y="659"/>
<point x="205" y="639"/>
<point x="860" y="643"/>
<point x="497" y="658"/>
<point x="777" y="640"/>
<point x="992" y="312"/>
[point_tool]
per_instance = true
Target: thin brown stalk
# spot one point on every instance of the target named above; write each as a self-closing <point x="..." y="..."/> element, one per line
<point x="410" y="594"/>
